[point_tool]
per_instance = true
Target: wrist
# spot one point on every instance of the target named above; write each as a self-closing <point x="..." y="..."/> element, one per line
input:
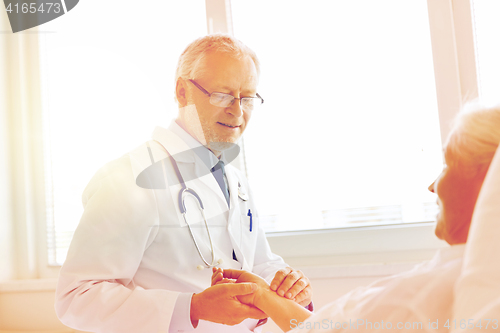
<point x="194" y="310"/>
<point x="262" y="297"/>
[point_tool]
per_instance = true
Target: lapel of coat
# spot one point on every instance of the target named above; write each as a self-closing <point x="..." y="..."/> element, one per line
<point x="192" y="168"/>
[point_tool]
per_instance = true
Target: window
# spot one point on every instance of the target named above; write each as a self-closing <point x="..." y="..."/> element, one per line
<point x="108" y="79"/>
<point x="350" y="100"/>
<point x="359" y="119"/>
<point x="487" y="27"/>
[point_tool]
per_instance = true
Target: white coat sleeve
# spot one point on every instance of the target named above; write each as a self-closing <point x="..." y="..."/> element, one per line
<point x="96" y="291"/>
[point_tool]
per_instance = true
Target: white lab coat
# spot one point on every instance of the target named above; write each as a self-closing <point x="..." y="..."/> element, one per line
<point x="132" y="254"/>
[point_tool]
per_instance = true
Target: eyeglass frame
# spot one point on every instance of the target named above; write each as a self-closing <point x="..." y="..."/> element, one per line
<point x="203" y="90"/>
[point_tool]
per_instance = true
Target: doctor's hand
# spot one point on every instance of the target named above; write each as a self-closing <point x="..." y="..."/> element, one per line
<point x="293" y="285"/>
<point x="219" y="304"/>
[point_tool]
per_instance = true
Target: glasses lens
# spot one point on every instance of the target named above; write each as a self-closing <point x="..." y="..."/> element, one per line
<point x="250" y="104"/>
<point x="222" y="100"/>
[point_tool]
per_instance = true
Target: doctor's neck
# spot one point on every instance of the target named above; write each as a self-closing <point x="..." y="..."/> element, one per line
<point x="215" y="152"/>
<point x="197" y="133"/>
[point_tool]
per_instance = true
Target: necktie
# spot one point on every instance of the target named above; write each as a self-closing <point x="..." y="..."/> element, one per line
<point x="220" y="175"/>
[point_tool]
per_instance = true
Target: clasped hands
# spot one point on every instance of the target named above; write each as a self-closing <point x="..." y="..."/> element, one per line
<point x="234" y="295"/>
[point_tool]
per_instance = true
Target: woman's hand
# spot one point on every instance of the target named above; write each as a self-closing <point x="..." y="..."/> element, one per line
<point x="237" y="276"/>
<point x="218" y="277"/>
<point x="280" y="309"/>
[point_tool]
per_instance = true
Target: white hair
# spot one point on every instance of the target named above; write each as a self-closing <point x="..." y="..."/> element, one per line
<point x="476" y="135"/>
<point x="188" y="64"/>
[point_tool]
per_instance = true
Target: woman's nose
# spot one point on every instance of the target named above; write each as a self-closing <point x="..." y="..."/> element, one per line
<point x="431" y="187"/>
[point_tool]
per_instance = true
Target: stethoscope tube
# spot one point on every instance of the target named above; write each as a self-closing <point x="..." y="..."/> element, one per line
<point x="182" y="207"/>
<point x="213" y="264"/>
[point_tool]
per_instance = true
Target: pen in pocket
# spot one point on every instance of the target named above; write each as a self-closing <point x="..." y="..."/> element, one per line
<point x="250" y="214"/>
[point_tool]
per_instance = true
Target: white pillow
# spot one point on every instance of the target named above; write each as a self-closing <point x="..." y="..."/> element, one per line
<point x="477" y="292"/>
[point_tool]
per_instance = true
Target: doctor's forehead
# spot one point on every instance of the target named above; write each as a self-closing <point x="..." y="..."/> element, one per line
<point x="227" y="71"/>
<point x="217" y="61"/>
<point x="243" y="83"/>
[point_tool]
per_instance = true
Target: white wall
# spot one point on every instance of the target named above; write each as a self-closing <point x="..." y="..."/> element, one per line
<point x="28" y="305"/>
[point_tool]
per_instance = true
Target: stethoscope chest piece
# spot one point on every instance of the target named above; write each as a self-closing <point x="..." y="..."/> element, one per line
<point x="201" y="267"/>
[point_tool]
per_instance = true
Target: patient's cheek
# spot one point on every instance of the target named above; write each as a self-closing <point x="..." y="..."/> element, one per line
<point x="438" y="232"/>
<point x="459" y="234"/>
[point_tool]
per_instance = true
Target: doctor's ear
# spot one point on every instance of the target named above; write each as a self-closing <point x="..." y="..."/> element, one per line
<point x="181" y="92"/>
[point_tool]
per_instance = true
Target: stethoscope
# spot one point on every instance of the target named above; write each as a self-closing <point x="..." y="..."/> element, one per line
<point x="185" y="191"/>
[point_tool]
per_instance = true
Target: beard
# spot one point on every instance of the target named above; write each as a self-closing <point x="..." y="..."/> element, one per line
<point x="202" y="130"/>
<point x="215" y="142"/>
<point x="220" y="146"/>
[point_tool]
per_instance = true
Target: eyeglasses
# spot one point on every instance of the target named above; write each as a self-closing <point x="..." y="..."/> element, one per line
<point x="226" y="100"/>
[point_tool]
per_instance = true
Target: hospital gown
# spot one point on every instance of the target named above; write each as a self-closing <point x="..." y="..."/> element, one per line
<point x="418" y="300"/>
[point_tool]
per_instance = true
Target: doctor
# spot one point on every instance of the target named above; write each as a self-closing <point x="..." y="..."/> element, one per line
<point x="138" y="261"/>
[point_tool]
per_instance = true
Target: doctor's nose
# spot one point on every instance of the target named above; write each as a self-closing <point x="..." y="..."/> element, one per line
<point x="235" y="109"/>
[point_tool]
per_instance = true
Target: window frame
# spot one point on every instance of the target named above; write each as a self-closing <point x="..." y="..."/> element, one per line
<point x="452" y="39"/>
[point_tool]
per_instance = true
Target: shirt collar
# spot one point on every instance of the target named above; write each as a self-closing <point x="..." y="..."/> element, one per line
<point x="205" y="154"/>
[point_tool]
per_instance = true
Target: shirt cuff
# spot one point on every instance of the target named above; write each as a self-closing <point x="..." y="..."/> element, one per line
<point x="181" y="316"/>
<point x="310" y="307"/>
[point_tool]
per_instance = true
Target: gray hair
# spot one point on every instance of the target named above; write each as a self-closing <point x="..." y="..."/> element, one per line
<point x="187" y="66"/>
<point x="476" y="135"/>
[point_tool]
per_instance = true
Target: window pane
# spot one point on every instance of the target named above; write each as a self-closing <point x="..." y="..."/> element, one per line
<point x="348" y="134"/>
<point x="108" y="79"/>
<point x="487" y="27"/>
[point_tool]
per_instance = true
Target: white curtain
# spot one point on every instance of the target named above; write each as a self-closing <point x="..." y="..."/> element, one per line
<point x="21" y="152"/>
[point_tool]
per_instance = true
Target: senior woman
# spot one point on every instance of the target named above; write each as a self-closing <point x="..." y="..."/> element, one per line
<point x="423" y="298"/>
